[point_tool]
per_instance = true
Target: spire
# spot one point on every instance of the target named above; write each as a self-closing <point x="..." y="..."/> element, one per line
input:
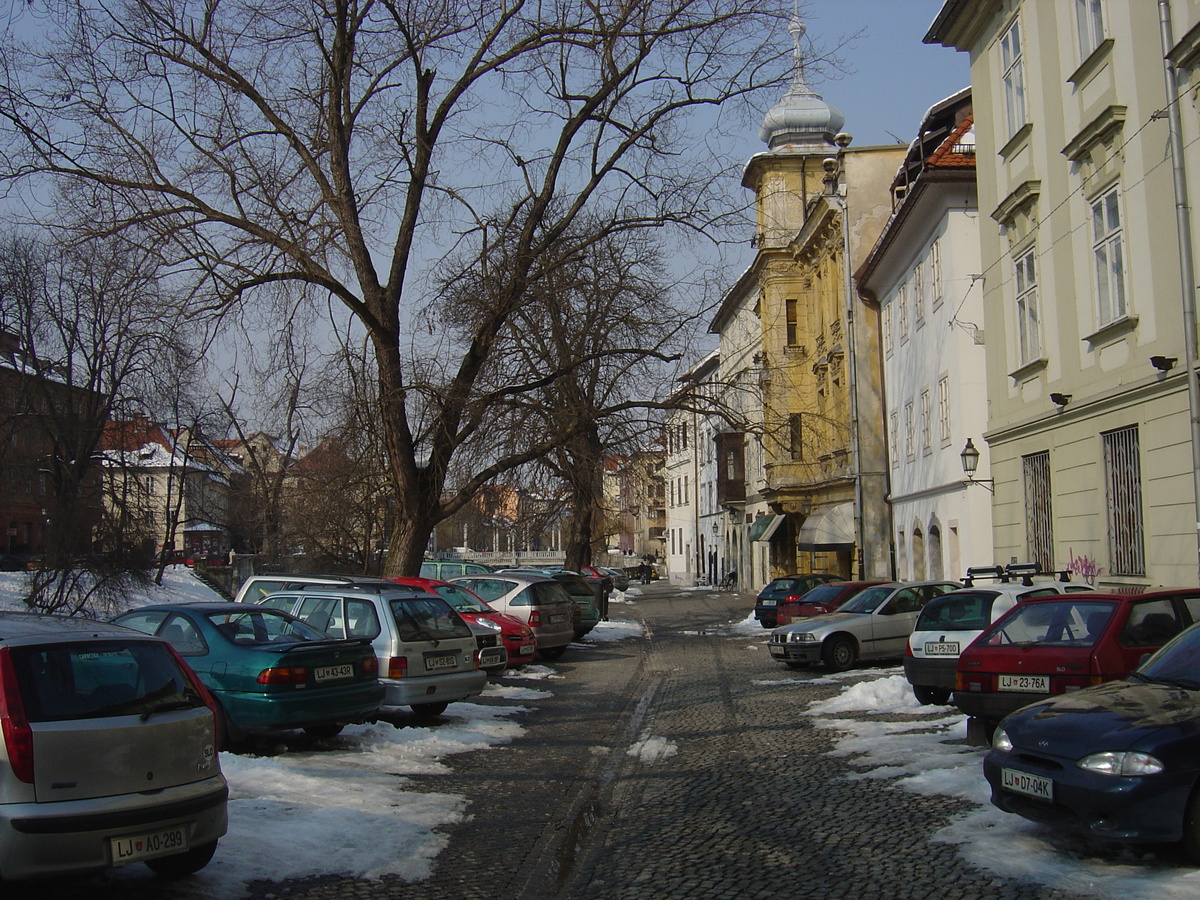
<point x="801" y="119"/>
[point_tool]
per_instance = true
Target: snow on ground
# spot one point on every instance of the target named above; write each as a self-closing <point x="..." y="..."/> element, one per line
<point x="924" y="753"/>
<point x="354" y="785"/>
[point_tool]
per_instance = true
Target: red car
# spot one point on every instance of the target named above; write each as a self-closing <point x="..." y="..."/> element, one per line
<point x="824" y="598"/>
<point x="1054" y="645"/>
<point x="516" y="636"/>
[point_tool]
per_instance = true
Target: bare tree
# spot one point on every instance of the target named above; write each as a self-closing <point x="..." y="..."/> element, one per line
<point x="343" y="144"/>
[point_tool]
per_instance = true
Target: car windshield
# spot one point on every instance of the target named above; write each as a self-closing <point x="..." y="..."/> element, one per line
<point x="263" y="625"/>
<point x="462" y="600"/>
<point x="868" y="601"/>
<point x="1059" y="623"/>
<point x="95" y="679"/>
<point x="427" y="619"/>
<point x="961" y="611"/>
<point x="1177" y="663"/>
<point x="823" y="593"/>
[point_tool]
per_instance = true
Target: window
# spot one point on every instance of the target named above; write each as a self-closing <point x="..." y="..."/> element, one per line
<point x="944" y="409"/>
<point x="1029" y="333"/>
<point x="795" y="436"/>
<point x="1110" y="258"/>
<point x="894" y="448"/>
<point x="1089" y="15"/>
<point x="919" y="289"/>
<point x="793" y="328"/>
<point x="909" y="448"/>
<point x="935" y="273"/>
<point x="886" y="326"/>
<point x="1039" y="538"/>
<point x="902" y="309"/>
<point x="685" y="490"/>
<point x="926" y="422"/>
<point x="1123" y="480"/>
<point x="1012" y="64"/>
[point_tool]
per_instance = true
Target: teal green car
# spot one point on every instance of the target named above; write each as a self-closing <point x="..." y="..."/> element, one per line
<point x="268" y="670"/>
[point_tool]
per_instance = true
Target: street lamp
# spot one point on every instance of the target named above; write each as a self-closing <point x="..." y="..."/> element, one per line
<point x="970" y="463"/>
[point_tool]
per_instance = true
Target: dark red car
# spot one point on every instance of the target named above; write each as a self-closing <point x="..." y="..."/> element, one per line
<point x="824" y="598"/>
<point x="517" y="637"/>
<point x="1043" y="647"/>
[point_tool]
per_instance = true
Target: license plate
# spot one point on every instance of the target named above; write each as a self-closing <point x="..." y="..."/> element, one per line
<point x="333" y="673"/>
<point x="769" y="602"/>
<point x="941" y="648"/>
<point x="528" y="649"/>
<point x="776" y="651"/>
<point x="492" y="656"/>
<point x="1034" y="684"/>
<point x="1030" y="785"/>
<point x="557" y="618"/>
<point x="144" y="846"/>
<point x="435" y="661"/>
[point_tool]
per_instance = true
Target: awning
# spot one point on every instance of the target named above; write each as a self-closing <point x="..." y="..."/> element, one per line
<point x="764" y="527"/>
<point x="831" y="528"/>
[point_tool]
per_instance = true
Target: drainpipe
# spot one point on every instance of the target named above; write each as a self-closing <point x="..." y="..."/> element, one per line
<point x="1187" y="273"/>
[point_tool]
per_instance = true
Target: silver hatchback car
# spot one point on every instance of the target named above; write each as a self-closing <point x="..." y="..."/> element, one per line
<point x="538" y="600"/>
<point x="110" y="752"/>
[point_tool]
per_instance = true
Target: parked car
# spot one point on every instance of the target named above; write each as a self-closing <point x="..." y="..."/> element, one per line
<point x="620" y="578"/>
<point x="586" y="594"/>
<point x="781" y="589"/>
<point x="1118" y="762"/>
<point x="445" y="569"/>
<point x="88" y="710"/>
<point x="873" y="624"/>
<point x="949" y="623"/>
<point x="427" y="654"/>
<point x="1049" y="646"/>
<point x="516" y="637"/>
<point x="256" y="587"/>
<point x="824" y="598"/>
<point x="539" y="600"/>
<point x="267" y="670"/>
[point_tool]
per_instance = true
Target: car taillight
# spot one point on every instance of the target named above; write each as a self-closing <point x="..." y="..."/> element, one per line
<point x="18" y="736"/>
<point x="283" y="675"/>
<point x="205" y="694"/>
<point x="397" y="666"/>
<point x="535" y="618"/>
<point x="908" y="647"/>
<point x="370" y="666"/>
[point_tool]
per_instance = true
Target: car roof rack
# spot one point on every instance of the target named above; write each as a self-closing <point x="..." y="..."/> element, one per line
<point x="1024" y="572"/>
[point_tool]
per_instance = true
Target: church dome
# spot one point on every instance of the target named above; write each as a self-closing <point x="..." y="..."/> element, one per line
<point x="800" y="117"/>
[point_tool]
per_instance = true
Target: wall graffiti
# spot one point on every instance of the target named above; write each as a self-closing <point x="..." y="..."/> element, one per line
<point x="1085" y="567"/>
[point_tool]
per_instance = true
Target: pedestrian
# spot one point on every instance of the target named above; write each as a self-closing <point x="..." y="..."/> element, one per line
<point x="645" y="571"/>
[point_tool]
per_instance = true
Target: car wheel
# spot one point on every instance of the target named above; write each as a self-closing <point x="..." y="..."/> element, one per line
<point x="931" y="696"/>
<point x="796" y="664"/>
<point x="427" y="710"/>
<point x="183" y="863"/>
<point x="552" y="652"/>
<point x="324" y="731"/>
<point x="840" y="653"/>
<point x="1190" y="843"/>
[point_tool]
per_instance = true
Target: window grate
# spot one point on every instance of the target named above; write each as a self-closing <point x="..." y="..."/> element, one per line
<point x="1039" y="540"/>
<point x="1123" y="478"/>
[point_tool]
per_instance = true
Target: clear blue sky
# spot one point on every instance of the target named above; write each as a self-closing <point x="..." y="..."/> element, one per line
<point x="893" y="77"/>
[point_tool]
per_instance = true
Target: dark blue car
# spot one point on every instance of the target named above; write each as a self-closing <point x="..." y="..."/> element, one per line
<point x="1118" y="762"/>
<point x="780" y="589"/>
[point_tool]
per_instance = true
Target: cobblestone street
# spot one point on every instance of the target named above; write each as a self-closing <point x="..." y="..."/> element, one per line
<point x="748" y="806"/>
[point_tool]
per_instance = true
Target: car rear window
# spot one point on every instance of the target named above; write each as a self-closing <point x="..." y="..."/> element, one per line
<point x="61" y="682"/>
<point x="823" y="593"/>
<point x="261" y="625"/>
<point x="1065" y="623"/>
<point x="962" y="611"/>
<point x="427" y="619"/>
<point x="546" y="592"/>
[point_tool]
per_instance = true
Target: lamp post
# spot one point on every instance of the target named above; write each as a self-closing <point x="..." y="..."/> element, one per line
<point x="970" y="464"/>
